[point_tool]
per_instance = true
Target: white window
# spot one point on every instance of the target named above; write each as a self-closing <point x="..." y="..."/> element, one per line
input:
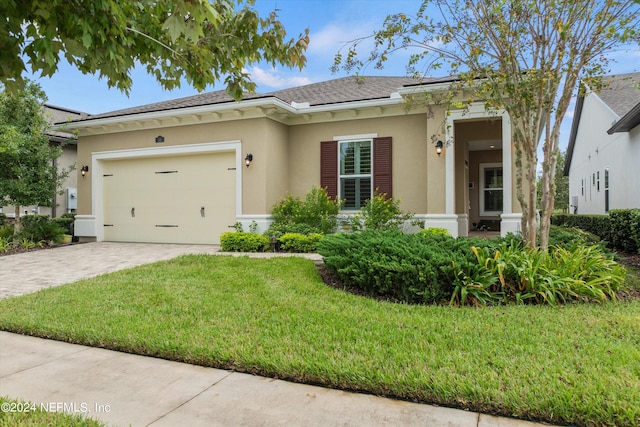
<point x="491" y="185"/>
<point x="606" y="190"/>
<point x="355" y="173"/>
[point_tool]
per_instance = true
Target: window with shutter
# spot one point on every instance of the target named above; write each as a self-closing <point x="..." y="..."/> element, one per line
<point x="351" y="170"/>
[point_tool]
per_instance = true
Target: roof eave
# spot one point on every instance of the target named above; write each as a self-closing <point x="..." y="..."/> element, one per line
<point x="574" y="133"/>
<point x="628" y="122"/>
<point x="270" y="102"/>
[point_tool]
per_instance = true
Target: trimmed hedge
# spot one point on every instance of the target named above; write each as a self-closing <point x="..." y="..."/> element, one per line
<point x="240" y="241"/>
<point x="300" y="243"/>
<point x="620" y="229"/>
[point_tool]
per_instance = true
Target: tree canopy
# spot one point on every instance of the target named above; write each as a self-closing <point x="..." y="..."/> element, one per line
<point x="202" y="41"/>
<point x="28" y="172"/>
<point x="523" y="56"/>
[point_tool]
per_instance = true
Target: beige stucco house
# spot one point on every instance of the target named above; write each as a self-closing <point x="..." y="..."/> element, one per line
<point x="177" y="171"/>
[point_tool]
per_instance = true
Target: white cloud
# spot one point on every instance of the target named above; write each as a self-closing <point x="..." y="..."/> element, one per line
<point x="275" y="79"/>
<point x="334" y="36"/>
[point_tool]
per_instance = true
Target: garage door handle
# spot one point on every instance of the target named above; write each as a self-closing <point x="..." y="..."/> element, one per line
<point x="202" y="211"/>
<point x="133" y="212"/>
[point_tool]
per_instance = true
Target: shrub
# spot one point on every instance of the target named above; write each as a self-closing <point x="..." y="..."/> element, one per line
<point x="624" y="223"/>
<point x="435" y="231"/>
<point x="243" y="242"/>
<point x="296" y="242"/>
<point x="5" y="244"/>
<point x="599" y="225"/>
<point x="6" y="231"/>
<point x="277" y="230"/>
<point x="380" y="213"/>
<point x="64" y="223"/>
<point x="3" y="218"/>
<point x="317" y="211"/>
<point x="570" y="236"/>
<point x="620" y="229"/>
<point x="524" y="275"/>
<point x="413" y="268"/>
<point x="40" y="228"/>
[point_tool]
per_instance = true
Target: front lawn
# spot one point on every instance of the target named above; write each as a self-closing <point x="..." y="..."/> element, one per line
<point x="577" y="364"/>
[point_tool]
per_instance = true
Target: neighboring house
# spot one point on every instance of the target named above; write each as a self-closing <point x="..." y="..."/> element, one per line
<point x="66" y="202"/>
<point x="178" y="171"/>
<point x="603" y="157"/>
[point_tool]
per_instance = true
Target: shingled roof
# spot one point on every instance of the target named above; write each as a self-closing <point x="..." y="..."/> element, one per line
<point x="345" y="89"/>
<point x="620" y="92"/>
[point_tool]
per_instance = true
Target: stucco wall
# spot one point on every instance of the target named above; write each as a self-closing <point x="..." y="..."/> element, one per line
<point x="413" y="156"/>
<point x="253" y="135"/>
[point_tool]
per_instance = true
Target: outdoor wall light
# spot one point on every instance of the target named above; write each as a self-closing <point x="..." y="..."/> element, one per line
<point x="84" y="170"/>
<point x="159" y="139"/>
<point x="439" y="146"/>
<point x="248" y="159"/>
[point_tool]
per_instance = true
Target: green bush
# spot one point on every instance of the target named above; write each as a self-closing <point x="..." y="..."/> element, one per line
<point x="6" y="231"/>
<point x="317" y="212"/>
<point x="40" y="228"/>
<point x="380" y="213"/>
<point x="280" y="229"/>
<point x="243" y="242"/>
<point x="512" y="274"/>
<point x="570" y="236"/>
<point x="413" y="268"/>
<point x="600" y="225"/>
<point x="624" y="223"/>
<point x="64" y="223"/>
<point x="435" y="231"/>
<point x="300" y="243"/>
<point x="620" y="229"/>
<point x="3" y="218"/>
<point x="5" y="244"/>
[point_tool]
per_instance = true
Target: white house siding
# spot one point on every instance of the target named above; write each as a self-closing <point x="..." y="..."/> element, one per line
<point x="594" y="152"/>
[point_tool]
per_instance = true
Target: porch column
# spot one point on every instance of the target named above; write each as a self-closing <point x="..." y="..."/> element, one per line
<point x="510" y="222"/>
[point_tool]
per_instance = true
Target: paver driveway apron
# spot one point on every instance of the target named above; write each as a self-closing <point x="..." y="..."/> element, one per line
<point x="32" y="271"/>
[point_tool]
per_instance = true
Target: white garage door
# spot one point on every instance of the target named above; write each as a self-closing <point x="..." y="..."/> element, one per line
<point x="176" y="199"/>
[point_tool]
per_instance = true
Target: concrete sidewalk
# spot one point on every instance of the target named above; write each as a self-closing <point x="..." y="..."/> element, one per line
<point x="123" y="389"/>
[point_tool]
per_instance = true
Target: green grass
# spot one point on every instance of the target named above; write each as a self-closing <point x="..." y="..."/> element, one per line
<point x="18" y="413"/>
<point x="577" y="364"/>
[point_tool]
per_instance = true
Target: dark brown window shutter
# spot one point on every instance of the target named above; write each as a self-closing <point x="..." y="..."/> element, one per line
<point x="329" y="167"/>
<point x="382" y="165"/>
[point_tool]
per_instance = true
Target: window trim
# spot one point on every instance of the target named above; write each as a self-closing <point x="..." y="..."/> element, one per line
<point x="482" y="167"/>
<point x="370" y="175"/>
<point x="607" y="179"/>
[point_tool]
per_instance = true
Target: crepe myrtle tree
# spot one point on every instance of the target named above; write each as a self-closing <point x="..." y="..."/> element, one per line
<point x="201" y="41"/>
<point x="28" y="171"/>
<point x="523" y="56"/>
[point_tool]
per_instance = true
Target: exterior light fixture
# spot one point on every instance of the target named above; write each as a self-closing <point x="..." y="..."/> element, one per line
<point x="248" y="159"/>
<point x="439" y="146"/>
<point x="84" y="170"/>
<point x="159" y="139"/>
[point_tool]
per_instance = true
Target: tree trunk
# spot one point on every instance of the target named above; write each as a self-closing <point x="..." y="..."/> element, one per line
<point x="18" y="223"/>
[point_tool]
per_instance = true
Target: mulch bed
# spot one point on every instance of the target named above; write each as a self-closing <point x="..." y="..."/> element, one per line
<point x="21" y="250"/>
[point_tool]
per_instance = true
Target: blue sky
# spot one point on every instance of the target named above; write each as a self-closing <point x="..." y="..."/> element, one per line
<point x="331" y="24"/>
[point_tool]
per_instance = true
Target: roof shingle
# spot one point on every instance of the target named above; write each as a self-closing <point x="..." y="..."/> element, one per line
<point x="346" y="89"/>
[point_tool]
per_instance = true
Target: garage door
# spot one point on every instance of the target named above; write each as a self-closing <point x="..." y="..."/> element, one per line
<point x="177" y="199"/>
